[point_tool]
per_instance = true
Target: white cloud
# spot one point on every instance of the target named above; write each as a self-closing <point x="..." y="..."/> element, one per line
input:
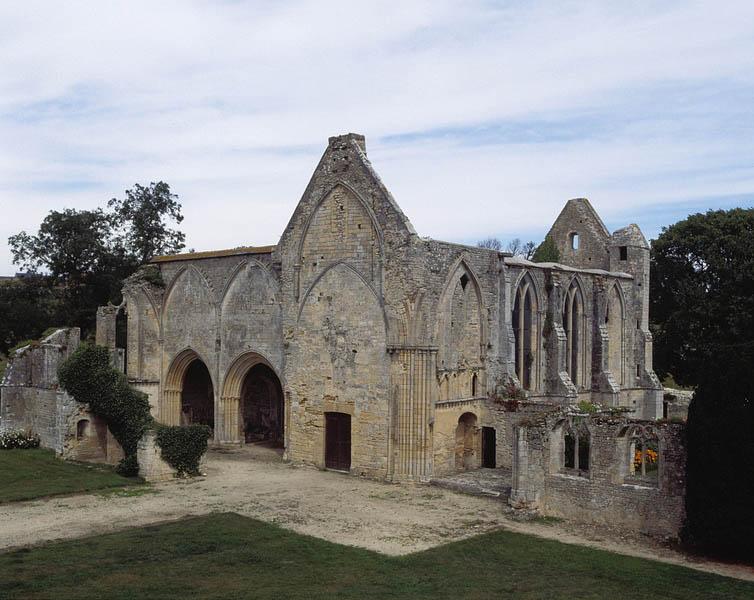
<point x="515" y="106"/>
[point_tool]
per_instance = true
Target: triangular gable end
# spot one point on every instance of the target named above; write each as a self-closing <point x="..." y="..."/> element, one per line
<point x="580" y="236"/>
<point x="345" y="163"/>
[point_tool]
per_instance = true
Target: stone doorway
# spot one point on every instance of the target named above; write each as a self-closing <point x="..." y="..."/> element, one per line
<point x="489" y="447"/>
<point x="338" y="441"/>
<point x="261" y="407"/>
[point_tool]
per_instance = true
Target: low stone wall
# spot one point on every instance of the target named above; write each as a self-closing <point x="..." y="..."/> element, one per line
<point x="31" y="399"/>
<point x="605" y="493"/>
<point x="151" y="465"/>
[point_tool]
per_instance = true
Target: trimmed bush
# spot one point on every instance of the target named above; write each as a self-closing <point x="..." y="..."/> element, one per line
<point x="18" y="439"/>
<point x="88" y="375"/>
<point x="182" y="446"/>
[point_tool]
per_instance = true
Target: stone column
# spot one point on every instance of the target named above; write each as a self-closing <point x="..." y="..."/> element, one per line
<point x="228" y="430"/>
<point x="415" y="405"/>
<point x="171" y="404"/>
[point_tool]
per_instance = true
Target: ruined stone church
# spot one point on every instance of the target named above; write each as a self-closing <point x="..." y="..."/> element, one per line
<point x="357" y="345"/>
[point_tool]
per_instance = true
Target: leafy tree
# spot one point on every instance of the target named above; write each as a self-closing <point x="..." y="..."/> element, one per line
<point x="702" y="300"/>
<point x="702" y="311"/>
<point x="26" y="310"/>
<point x="142" y="221"/>
<point x="547" y="251"/>
<point x="82" y="257"/>
<point x="70" y="245"/>
<point x="720" y="455"/>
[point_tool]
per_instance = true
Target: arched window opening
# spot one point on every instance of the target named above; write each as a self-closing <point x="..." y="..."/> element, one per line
<point x="573" y="318"/>
<point x="574" y="241"/>
<point x="474" y="385"/>
<point x="614" y="324"/>
<point x="121" y="340"/>
<point x="576" y="450"/>
<point x="524" y="330"/>
<point x="644" y="456"/>
<point x="197" y="396"/>
<point x="82" y="429"/>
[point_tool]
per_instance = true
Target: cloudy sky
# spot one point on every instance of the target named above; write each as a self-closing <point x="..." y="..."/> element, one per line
<point x="481" y="117"/>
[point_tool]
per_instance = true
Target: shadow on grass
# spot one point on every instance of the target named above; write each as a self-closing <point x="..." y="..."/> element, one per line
<point x="230" y="556"/>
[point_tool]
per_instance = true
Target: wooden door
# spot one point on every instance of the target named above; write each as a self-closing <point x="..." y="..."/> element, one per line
<point x="338" y="441"/>
<point x="488" y="447"/>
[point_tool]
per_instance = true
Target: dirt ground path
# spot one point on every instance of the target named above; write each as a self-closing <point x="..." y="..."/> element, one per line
<point x="386" y="518"/>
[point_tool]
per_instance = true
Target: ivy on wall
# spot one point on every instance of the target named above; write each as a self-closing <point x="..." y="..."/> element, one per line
<point x="88" y="375"/>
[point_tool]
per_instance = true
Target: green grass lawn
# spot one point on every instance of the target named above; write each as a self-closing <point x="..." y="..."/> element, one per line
<point x="27" y="474"/>
<point x="229" y="556"/>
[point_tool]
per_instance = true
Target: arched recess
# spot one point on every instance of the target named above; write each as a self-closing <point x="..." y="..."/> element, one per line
<point x="467" y="442"/>
<point x="615" y="325"/>
<point x="171" y="410"/>
<point x="345" y="267"/>
<point x="342" y="227"/>
<point x="251" y="314"/>
<point x="574" y="325"/>
<point x="525" y="322"/>
<point x="190" y="315"/>
<point x="461" y="331"/>
<point x="251" y="404"/>
<point x="142" y="362"/>
<point x="337" y="362"/>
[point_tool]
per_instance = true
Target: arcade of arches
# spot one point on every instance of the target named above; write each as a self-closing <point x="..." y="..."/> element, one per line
<point x="250" y="408"/>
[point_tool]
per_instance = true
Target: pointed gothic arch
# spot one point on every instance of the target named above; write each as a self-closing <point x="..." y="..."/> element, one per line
<point x="460" y="331"/>
<point x="574" y="325"/>
<point x="615" y="324"/>
<point x="525" y="322"/>
<point x="239" y="420"/>
<point x="174" y="385"/>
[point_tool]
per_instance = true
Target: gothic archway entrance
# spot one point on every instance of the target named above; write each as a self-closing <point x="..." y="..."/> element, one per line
<point x="197" y="396"/>
<point x="188" y="394"/>
<point x="252" y="405"/>
<point x="261" y="406"/>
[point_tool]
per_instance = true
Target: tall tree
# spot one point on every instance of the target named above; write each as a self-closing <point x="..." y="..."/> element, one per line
<point x="85" y="255"/>
<point x="702" y="318"/>
<point x="142" y="221"/>
<point x="702" y="300"/>
<point x="70" y="245"/>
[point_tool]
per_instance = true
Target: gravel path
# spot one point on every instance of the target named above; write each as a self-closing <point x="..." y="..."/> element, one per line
<point x="251" y="481"/>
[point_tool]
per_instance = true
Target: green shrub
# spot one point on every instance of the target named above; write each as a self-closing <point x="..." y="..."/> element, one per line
<point x="90" y="378"/>
<point x="182" y="446"/>
<point x="18" y="439"/>
<point x="588" y="407"/>
<point x="547" y="251"/>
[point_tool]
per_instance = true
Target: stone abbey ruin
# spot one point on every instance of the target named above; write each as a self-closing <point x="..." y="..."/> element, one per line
<point x="356" y="345"/>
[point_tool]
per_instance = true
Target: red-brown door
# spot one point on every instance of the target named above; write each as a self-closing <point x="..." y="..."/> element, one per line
<point x="338" y="441"/>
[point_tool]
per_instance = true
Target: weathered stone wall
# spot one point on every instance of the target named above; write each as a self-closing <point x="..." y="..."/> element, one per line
<point x="579" y="218"/>
<point x="357" y="314"/>
<point x="32" y="399"/>
<point x="606" y="493"/>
